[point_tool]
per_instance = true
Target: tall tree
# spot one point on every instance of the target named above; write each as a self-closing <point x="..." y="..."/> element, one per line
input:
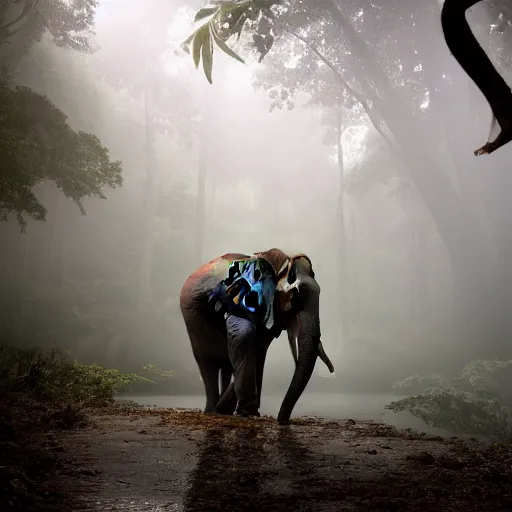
<point x="69" y="24"/>
<point x="145" y="39"/>
<point x="373" y="47"/>
<point x="37" y="145"/>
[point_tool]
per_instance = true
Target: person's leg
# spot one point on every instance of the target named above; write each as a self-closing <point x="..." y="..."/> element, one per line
<point x="471" y="56"/>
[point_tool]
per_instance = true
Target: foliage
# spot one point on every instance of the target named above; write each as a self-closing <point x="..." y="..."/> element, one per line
<point x="69" y="22"/>
<point x="226" y="19"/>
<point x="416" y="384"/>
<point x="476" y="402"/>
<point x="71" y="282"/>
<point x="38" y="145"/>
<point x="62" y="379"/>
<point x="307" y="61"/>
<point x="459" y="411"/>
<point x="159" y="372"/>
<point x="500" y="14"/>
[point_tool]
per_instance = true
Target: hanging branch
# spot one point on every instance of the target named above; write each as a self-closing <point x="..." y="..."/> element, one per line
<point x="345" y="86"/>
<point x="7" y="30"/>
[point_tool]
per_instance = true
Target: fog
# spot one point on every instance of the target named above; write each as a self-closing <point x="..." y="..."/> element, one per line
<point x="408" y="232"/>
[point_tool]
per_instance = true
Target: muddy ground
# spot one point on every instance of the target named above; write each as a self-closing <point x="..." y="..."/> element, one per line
<point x="177" y="460"/>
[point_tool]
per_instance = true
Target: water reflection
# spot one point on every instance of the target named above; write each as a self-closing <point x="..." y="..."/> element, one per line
<point x="228" y="472"/>
<point x="268" y="468"/>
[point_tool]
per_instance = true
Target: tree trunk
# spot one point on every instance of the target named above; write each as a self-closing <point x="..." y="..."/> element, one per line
<point x="199" y="235"/>
<point x="437" y="192"/>
<point x="343" y="290"/>
<point x="211" y="214"/>
<point x="419" y="301"/>
<point x="353" y="274"/>
<point x="456" y="225"/>
<point x="56" y="249"/>
<point x="145" y="297"/>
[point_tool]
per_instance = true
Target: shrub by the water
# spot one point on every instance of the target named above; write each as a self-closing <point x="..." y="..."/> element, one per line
<point x="477" y="402"/>
<point x="53" y="375"/>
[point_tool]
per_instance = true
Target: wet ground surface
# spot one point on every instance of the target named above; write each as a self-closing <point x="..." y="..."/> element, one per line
<point x="172" y="460"/>
<point x="177" y="460"/>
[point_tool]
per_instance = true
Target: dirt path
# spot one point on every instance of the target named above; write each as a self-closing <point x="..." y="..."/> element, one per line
<point x="168" y="460"/>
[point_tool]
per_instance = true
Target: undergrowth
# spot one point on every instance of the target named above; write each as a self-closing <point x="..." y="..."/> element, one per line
<point x="478" y="402"/>
<point x="54" y="376"/>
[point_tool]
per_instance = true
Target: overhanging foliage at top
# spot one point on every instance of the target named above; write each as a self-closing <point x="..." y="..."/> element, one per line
<point x="226" y="19"/>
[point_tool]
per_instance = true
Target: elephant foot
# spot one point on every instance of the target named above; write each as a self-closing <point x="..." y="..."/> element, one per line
<point x="244" y="413"/>
<point x="224" y="410"/>
<point x="221" y="414"/>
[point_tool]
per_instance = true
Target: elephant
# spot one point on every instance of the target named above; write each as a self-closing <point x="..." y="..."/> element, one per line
<point x="233" y="307"/>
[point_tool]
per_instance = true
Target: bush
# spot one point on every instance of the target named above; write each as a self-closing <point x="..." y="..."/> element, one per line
<point x="52" y="375"/>
<point x="416" y="384"/>
<point x="478" y="402"/>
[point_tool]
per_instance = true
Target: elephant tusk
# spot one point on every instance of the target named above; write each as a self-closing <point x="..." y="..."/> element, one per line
<point x="293" y="347"/>
<point x="324" y="358"/>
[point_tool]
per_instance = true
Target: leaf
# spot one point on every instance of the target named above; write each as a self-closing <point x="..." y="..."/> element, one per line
<point x="234" y="13"/>
<point x="207" y="56"/>
<point x="205" y="12"/>
<point x="231" y="4"/>
<point x="187" y="42"/>
<point x="237" y="22"/>
<point x="223" y="46"/>
<point x="237" y="29"/>
<point x="197" y="43"/>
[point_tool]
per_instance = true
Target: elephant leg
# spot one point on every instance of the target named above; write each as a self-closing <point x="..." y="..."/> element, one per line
<point x="227" y="402"/>
<point x="242" y="349"/>
<point x="209" y="349"/>
<point x="260" y="366"/>
<point x="210" y="374"/>
<point x="226" y="372"/>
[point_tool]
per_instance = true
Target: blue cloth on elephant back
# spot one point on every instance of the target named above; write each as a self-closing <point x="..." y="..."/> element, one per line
<point x="248" y="290"/>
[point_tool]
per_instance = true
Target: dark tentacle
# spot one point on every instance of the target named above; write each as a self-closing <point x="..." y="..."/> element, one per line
<point x="471" y="56"/>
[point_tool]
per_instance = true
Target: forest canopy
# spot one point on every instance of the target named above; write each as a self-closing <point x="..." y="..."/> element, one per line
<point x="38" y="145"/>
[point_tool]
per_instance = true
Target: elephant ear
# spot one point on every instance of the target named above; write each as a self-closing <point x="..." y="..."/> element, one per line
<point x="287" y="288"/>
<point x="293" y="332"/>
<point x="288" y="279"/>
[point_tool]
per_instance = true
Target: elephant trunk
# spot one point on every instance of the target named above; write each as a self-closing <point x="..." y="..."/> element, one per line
<point x="308" y="352"/>
<point x="308" y="341"/>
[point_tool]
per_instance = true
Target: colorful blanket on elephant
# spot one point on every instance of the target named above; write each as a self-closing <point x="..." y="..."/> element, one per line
<point x="249" y="286"/>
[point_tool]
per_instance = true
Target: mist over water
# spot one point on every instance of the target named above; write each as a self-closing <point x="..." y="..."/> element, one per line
<point x="408" y="233"/>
